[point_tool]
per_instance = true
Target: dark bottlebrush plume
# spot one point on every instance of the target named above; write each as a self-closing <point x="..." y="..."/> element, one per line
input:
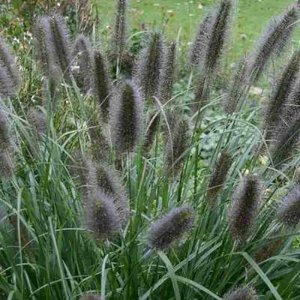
<point x="280" y="96"/>
<point x="177" y="144"/>
<point x="7" y="163"/>
<point x="5" y="141"/>
<point x="101" y="216"/>
<point x="120" y="31"/>
<point x="104" y="179"/>
<point x="99" y="146"/>
<point x="102" y="84"/>
<point x="200" y="44"/>
<point x="201" y="91"/>
<point x="82" y="63"/>
<point x="90" y="297"/>
<point x="273" y="40"/>
<point x="37" y="120"/>
<point x="109" y="182"/>
<point x="171" y="227"/>
<point x="242" y="293"/>
<point x="286" y="143"/>
<point x="289" y="210"/>
<point x="246" y="200"/>
<point x="219" y="175"/>
<point x="149" y="66"/>
<point x="62" y="42"/>
<point x="268" y="250"/>
<point x="167" y="72"/>
<point x="218" y="35"/>
<point x="44" y="45"/>
<point x="150" y="133"/>
<point x="237" y="87"/>
<point x="9" y="70"/>
<point x="126" y="118"/>
<point x="51" y="87"/>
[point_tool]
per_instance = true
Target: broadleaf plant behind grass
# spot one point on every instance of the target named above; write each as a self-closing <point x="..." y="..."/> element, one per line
<point x="103" y="190"/>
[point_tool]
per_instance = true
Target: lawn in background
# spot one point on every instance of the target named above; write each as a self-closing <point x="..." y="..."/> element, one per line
<point x="182" y="17"/>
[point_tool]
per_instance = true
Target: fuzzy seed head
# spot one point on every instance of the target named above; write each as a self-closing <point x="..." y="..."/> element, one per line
<point x="120" y="31"/>
<point x="149" y="67"/>
<point x="178" y="143"/>
<point x="170" y="228"/>
<point x="5" y="141"/>
<point x="126" y="118"/>
<point x="44" y="45"/>
<point x="82" y="63"/>
<point x="237" y="87"/>
<point x="62" y="42"/>
<point x="99" y="145"/>
<point x="200" y="44"/>
<point x="7" y="163"/>
<point x="219" y="175"/>
<point x="37" y="120"/>
<point x="202" y="91"/>
<point x="242" y="293"/>
<point x="246" y="200"/>
<point x="286" y="91"/>
<point x="167" y="72"/>
<point x="218" y="36"/>
<point x="289" y="210"/>
<point x="9" y="75"/>
<point x="273" y="40"/>
<point x="151" y="132"/>
<point x="109" y="182"/>
<point x="101" y="216"/>
<point x="102" y="84"/>
<point x="286" y="143"/>
<point x="268" y="250"/>
<point x="90" y="297"/>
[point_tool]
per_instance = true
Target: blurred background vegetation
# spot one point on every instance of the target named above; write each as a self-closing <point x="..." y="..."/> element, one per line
<point x="179" y="18"/>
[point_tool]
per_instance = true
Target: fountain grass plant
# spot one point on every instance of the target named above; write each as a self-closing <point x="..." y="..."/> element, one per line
<point x="87" y="213"/>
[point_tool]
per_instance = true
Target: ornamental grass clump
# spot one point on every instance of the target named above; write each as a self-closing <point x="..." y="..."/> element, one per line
<point x="171" y="227"/>
<point x="74" y="225"/>
<point x="127" y="118"/>
<point x="288" y="211"/>
<point x="246" y="200"/>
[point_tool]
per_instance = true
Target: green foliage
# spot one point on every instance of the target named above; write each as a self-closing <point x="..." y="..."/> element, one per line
<point x="49" y="250"/>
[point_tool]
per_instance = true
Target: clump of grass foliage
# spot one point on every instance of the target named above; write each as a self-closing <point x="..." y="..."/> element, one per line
<point x="104" y="194"/>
